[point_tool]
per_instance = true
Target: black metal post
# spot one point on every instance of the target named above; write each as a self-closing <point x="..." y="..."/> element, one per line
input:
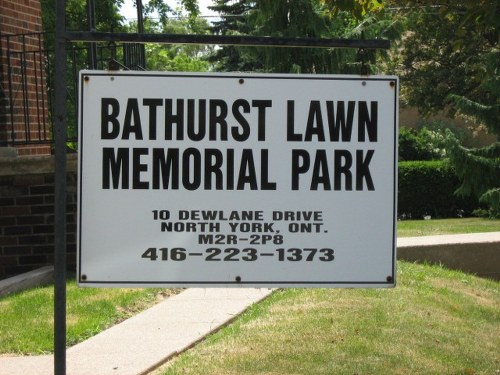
<point x="92" y="48"/>
<point x="140" y="29"/>
<point x="60" y="194"/>
<point x="140" y="17"/>
<point x="9" y="75"/>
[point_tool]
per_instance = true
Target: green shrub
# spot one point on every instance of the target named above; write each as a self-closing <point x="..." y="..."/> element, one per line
<point x="421" y="144"/>
<point x="429" y="140"/>
<point x="427" y="188"/>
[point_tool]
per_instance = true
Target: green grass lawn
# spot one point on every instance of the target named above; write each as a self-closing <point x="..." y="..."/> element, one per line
<point x="26" y="318"/>
<point x="416" y="228"/>
<point x="436" y="321"/>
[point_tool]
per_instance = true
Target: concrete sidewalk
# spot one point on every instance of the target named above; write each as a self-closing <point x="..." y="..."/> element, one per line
<point x="145" y="341"/>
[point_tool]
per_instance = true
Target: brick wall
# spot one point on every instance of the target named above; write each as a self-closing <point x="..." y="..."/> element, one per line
<point x="24" y="102"/>
<point x="27" y="214"/>
<point x="20" y="16"/>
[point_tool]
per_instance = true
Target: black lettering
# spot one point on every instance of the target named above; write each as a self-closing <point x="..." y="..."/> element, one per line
<point x="340" y="123"/>
<point x="343" y="163"/>
<point x="130" y="126"/>
<point x="314" y="123"/>
<point x="320" y="173"/>
<point x="191" y="166"/>
<point x="205" y="239"/>
<point x="363" y="170"/>
<point x="230" y="169"/>
<point x="290" y="123"/>
<point x="247" y="173"/>
<point x="261" y="119"/>
<point x="110" y="118"/>
<point x="300" y="164"/>
<point x="367" y="122"/>
<point x="138" y="167"/>
<point x="202" y="120"/>
<point x="213" y="165"/>
<point x="264" y="172"/>
<point x="218" y="114"/>
<point x="171" y="119"/>
<point x="153" y="104"/>
<point x="115" y="166"/>
<point x="245" y="126"/>
<point x="165" y="167"/>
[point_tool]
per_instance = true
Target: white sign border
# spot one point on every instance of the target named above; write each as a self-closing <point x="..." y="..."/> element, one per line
<point x="390" y="280"/>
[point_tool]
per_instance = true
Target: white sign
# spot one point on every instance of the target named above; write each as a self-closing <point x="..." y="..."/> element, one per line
<point x="237" y="180"/>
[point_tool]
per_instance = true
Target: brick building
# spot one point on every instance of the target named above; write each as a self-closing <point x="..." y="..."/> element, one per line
<point x="27" y="213"/>
<point x="23" y="93"/>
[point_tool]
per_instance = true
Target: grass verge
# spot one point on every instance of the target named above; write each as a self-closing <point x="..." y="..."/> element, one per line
<point x="27" y="323"/>
<point x="436" y="321"/>
<point x="416" y="228"/>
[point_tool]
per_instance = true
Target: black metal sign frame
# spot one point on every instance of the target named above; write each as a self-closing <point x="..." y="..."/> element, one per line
<point x="63" y="37"/>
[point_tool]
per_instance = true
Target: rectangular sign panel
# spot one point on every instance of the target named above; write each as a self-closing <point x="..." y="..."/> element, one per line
<point x="237" y="180"/>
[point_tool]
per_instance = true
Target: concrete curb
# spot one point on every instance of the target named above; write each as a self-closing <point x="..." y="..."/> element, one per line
<point x="476" y="253"/>
<point x="40" y="276"/>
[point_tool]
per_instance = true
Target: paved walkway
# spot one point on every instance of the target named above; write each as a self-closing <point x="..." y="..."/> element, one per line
<point x="143" y="342"/>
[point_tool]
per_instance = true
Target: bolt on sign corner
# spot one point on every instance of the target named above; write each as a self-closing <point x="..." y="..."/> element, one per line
<point x="189" y="179"/>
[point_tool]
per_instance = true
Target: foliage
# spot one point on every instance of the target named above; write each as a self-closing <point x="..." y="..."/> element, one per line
<point x="233" y="21"/>
<point x="427" y="188"/>
<point x="107" y="19"/>
<point x="449" y="59"/>
<point x="492" y="198"/>
<point x="421" y="144"/>
<point x="431" y="67"/>
<point x="165" y="57"/>
<point x="301" y="18"/>
<point x="481" y="17"/>
<point x="486" y="109"/>
<point x="359" y="8"/>
<point x="165" y="11"/>
<point x="479" y="171"/>
<point x="173" y="60"/>
<point x="429" y="140"/>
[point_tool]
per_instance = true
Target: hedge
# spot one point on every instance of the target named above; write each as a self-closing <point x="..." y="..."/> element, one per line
<point x="427" y="188"/>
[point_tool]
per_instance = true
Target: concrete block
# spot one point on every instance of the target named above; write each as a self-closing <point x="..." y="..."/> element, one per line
<point x="27" y="280"/>
<point x="477" y="253"/>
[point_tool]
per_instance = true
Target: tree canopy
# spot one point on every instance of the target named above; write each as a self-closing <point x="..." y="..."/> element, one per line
<point x="448" y="58"/>
<point x="446" y="53"/>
